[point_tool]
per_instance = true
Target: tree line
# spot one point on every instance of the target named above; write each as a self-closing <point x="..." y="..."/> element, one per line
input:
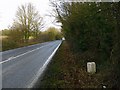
<point x="93" y="29"/>
<point x="26" y="29"/>
<point x="14" y="38"/>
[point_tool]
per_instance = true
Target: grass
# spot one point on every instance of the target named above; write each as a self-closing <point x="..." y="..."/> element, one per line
<point x="3" y="37"/>
<point x="67" y="70"/>
<point x="10" y="44"/>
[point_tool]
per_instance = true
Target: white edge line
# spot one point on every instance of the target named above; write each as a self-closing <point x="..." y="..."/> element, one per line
<point x="43" y="68"/>
<point x="21" y="54"/>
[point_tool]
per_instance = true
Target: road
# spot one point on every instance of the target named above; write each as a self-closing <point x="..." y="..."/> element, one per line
<point x="23" y="66"/>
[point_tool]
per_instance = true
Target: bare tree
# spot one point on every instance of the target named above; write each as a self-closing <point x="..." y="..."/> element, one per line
<point x="28" y="20"/>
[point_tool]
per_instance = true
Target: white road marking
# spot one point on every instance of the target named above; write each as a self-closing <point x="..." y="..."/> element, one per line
<point x="11" y="58"/>
<point x="36" y="77"/>
<point x="21" y="55"/>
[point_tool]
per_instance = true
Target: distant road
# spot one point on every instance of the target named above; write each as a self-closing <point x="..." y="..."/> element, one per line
<point x="21" y="67"/>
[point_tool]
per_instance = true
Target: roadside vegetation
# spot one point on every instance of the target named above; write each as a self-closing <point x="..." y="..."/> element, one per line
<point x="92" y="33"/>
<point x="26" y="29"/>
<point x="12" y="39"/>
<point x="68" y="70"/>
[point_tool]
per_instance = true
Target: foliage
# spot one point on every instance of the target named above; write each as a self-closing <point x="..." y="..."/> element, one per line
<point x="15" y="35"/>
<point x="51" y="34"/>
<point x="5" y="32"/>
<point x="8" y="44"/>
<point x="67" y="71"/>
<point x="92" y="29"/>
<point x="15" y="39"/>
<point x="28" y="21"/>
<point x="89" y="25"/>
<point x="27" y="24"/>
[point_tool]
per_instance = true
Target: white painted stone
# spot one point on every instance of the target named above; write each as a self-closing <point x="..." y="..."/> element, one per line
<point x="63" y="38"/>
<point x="91" y="67"/>
<point x="104" y="86"/>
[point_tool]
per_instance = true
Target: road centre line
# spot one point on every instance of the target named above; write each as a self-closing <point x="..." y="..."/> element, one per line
<point x="21" y="54"/>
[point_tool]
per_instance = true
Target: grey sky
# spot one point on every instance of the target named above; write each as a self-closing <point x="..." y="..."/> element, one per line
<point x="8" y="10"/>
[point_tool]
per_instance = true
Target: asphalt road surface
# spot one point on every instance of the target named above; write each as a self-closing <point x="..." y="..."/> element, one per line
<point x="21" y="67"/>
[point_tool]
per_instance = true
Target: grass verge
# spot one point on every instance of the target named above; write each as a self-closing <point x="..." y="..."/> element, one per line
<point x="10" y="44"/>
<point x="67" y="70"/>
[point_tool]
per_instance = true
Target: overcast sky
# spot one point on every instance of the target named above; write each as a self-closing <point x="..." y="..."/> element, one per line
<point x="8" y="10"/>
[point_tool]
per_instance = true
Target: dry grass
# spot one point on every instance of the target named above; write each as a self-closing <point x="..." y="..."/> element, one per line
<point x="8" y="44"/>
<point x="67" y="70"/>
<point x="3" y="37"/>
